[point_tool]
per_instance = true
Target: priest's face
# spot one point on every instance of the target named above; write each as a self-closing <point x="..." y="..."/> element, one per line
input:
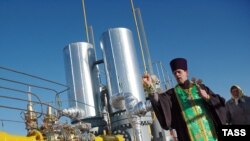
<point x="180" y="75"/>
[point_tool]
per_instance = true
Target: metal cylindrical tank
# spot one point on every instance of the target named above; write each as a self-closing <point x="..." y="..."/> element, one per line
<point x="81" y="77"/>
<point x="123" y="77"/>
<point x="121" y="64"/>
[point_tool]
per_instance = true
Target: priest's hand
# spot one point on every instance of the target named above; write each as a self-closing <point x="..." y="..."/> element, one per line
<point x="147" y="80"/>
<point x="203" y="93"/>
<point x="148" y="84"/>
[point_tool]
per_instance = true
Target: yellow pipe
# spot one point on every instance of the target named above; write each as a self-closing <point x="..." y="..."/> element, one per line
<point x="85" y="21"/>
<point x="37" y="136"/>
<point x="32" y="136"/>
<point x="139" y="37"/>
<point x="110" y="138"/>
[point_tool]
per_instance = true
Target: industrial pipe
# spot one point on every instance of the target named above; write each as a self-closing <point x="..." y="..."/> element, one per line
<point x="33" y="136"/>
<point x="134" y="110"/>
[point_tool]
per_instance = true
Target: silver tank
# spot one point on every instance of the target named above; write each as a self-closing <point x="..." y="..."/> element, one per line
<point x="81" y="77"/>
<point x="121" y="63"/>
<point x="122" y="73"/>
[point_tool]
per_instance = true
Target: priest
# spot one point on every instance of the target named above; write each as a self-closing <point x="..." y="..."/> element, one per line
<point x="191" y="108"/>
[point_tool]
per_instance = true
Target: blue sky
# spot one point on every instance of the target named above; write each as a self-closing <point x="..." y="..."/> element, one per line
<point x="214" y="36"/>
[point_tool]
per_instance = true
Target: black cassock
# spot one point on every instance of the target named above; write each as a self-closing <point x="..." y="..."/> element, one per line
<point x="169" y="115"/>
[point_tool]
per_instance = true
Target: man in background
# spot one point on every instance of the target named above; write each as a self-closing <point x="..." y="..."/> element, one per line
<point x="238" y="107"/>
